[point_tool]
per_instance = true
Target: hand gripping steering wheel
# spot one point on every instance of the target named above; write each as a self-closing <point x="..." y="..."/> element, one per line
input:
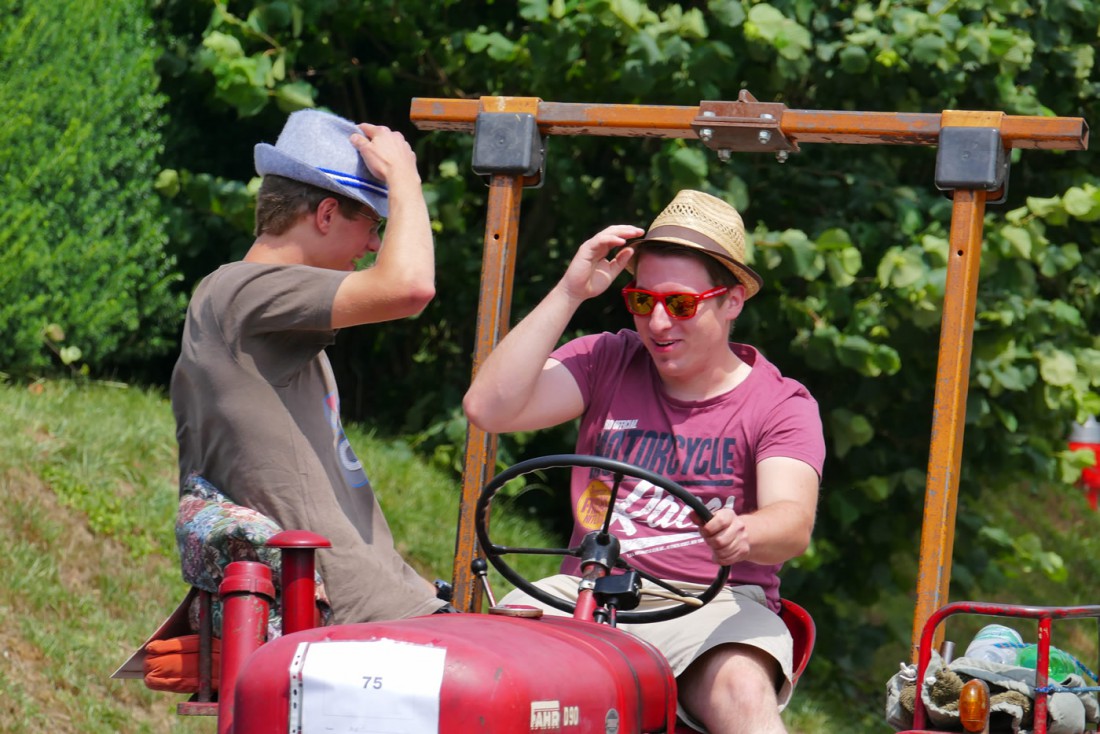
<point x="494" y="553"/>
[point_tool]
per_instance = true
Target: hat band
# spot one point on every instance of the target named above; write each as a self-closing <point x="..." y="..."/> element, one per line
<point x="691" y="235"/>
<point x="354" y="182"/>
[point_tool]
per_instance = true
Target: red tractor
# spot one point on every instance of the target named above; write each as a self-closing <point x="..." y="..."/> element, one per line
<point x="513" y="669"/>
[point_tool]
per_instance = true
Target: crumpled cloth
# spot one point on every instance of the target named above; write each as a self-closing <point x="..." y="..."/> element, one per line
<point x="212" y="532"/>
<point x="1011" y="693"/>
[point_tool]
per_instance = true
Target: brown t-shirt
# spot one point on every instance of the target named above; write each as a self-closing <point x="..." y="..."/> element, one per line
<point x="258" y="416"/>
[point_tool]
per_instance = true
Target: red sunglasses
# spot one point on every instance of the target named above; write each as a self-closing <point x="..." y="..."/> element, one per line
<point x="641" y="302"/>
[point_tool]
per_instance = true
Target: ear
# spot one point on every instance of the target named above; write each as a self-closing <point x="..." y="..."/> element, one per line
<point x="733" y="302"/>
<point x="326" y="210"/>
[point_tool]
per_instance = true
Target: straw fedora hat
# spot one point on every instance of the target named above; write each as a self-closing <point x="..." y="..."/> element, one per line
<point x="314" y="148"/>
<point x="704" y="222"/>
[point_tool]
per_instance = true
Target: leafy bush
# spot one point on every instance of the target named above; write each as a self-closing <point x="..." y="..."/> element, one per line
<point x="82" y="237"/>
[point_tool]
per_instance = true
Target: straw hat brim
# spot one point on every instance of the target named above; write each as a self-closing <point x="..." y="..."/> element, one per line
<point x="746" y="275"/>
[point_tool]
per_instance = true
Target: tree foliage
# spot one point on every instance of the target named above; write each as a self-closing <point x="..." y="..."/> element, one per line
<point x="83" y="266"/>
<point x="852" y="241"/>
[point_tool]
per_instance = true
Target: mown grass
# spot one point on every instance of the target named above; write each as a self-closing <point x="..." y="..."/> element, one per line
<point x="88" y="477"/>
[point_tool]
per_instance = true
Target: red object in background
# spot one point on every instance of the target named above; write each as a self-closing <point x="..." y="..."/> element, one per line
<point x="1087" y="436"/>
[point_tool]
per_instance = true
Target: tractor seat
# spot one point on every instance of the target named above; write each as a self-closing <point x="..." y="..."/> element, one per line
<point x="212" y="531"/>
<point x="803" y="632"/>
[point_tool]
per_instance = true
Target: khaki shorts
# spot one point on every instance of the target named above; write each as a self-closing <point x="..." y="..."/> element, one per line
<point x="737" y="615"/>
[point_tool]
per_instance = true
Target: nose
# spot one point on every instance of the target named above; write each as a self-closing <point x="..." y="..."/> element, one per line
<point x="374" y="242"/>
<point x="659" y="320"/>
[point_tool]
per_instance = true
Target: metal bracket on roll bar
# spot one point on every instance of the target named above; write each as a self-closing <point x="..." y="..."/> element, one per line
<point x="744" y="126"/>
<point x="509" y="143"/>
<point x="972" y="157"/>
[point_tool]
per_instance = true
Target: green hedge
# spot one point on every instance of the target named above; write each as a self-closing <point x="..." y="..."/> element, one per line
<point x="82" y="233"/>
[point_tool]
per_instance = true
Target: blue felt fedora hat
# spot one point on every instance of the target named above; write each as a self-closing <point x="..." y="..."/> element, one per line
<point x="314" y="148"/>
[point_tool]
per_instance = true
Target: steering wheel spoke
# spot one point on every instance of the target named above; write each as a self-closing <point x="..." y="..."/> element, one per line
<point x="666" y="586"/>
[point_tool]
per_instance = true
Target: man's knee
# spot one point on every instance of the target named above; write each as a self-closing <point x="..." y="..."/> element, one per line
<point x="732" y="688"/>
<point x="740" y="672"/>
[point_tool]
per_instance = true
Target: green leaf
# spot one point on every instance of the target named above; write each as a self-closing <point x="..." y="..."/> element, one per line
<point x="278" y="67"/>
<point x="1088" y="361"/>
<point x="834" y="239"/>
<point x="628" y="11"/>
<point x="294" y="96"/>
<point x="689" y="166"/>
<point x="1057" y="367"/>
<point x="848" y="430"/>
<point x="844" y="266"/>
<point x="997" y="536"/>
<point x="224" y="45"/>
<point x="1083" y="203"/>
<point x="928" y="49"/>
<point x="901" y="268"/>
<point x="1044" y="207"/>
<point x="805" y="259"/>
<point x="728" y="13"/>
<point x="1010" y="377"/>
<point x="768" y="24"/>
<point x="168" y="183"/>
<point x="495" y="45"/>
<point x="54" y="333"/>
<point x="70" y="354"/>
<point x="692" y="25"/>
<point x="877" y="488"/>
<point x="842" y="509"/>
<point x="1055" y="260"/>
<point x="1019" y="240"/>
<point x="534" y="10"/>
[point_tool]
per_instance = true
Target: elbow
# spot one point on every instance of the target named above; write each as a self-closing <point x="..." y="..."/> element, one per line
<point x="801" y="541"/>
<point x="417" y="297"/>
<point x="477" y="412"/>
<point x="471" y="406"/>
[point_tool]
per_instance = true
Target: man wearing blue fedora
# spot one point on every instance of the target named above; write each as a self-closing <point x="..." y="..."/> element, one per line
<point x="256" y="405"/>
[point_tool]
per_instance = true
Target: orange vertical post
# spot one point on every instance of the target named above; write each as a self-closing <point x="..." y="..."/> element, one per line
<point x="494" y="310"/>
<point x="941" y="494"/>
<point x="949" y="409"/>
<point x="498" y="266"/>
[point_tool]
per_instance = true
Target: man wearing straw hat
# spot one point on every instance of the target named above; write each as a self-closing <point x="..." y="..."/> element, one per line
<point x="256" y="404"/>
<point x="674" y="396"/>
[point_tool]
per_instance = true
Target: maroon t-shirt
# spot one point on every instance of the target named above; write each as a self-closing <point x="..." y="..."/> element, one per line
<point x="710" y="447"/>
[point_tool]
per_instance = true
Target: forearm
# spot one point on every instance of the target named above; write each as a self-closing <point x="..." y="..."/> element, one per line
<point x="518" y="387"/>
<point x="507" y="380"/>
<point x="779" y="532"/>
<point x="407" y="257"/>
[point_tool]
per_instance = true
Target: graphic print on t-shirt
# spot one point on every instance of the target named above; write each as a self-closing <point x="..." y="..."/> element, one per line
<point x="647" y="518"/>
<point x="663" y="453"/>
<point x="350" y="464"/>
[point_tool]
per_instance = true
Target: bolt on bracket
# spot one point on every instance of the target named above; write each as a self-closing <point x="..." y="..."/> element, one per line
<point x="744" y="126"/>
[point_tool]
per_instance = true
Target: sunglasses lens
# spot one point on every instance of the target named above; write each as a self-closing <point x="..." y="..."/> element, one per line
<point x="681" y="305"/>
<point x="640" y="304"/>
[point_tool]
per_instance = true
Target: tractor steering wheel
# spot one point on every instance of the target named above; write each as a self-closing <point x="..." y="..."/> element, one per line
<point x="494" y="553"/>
